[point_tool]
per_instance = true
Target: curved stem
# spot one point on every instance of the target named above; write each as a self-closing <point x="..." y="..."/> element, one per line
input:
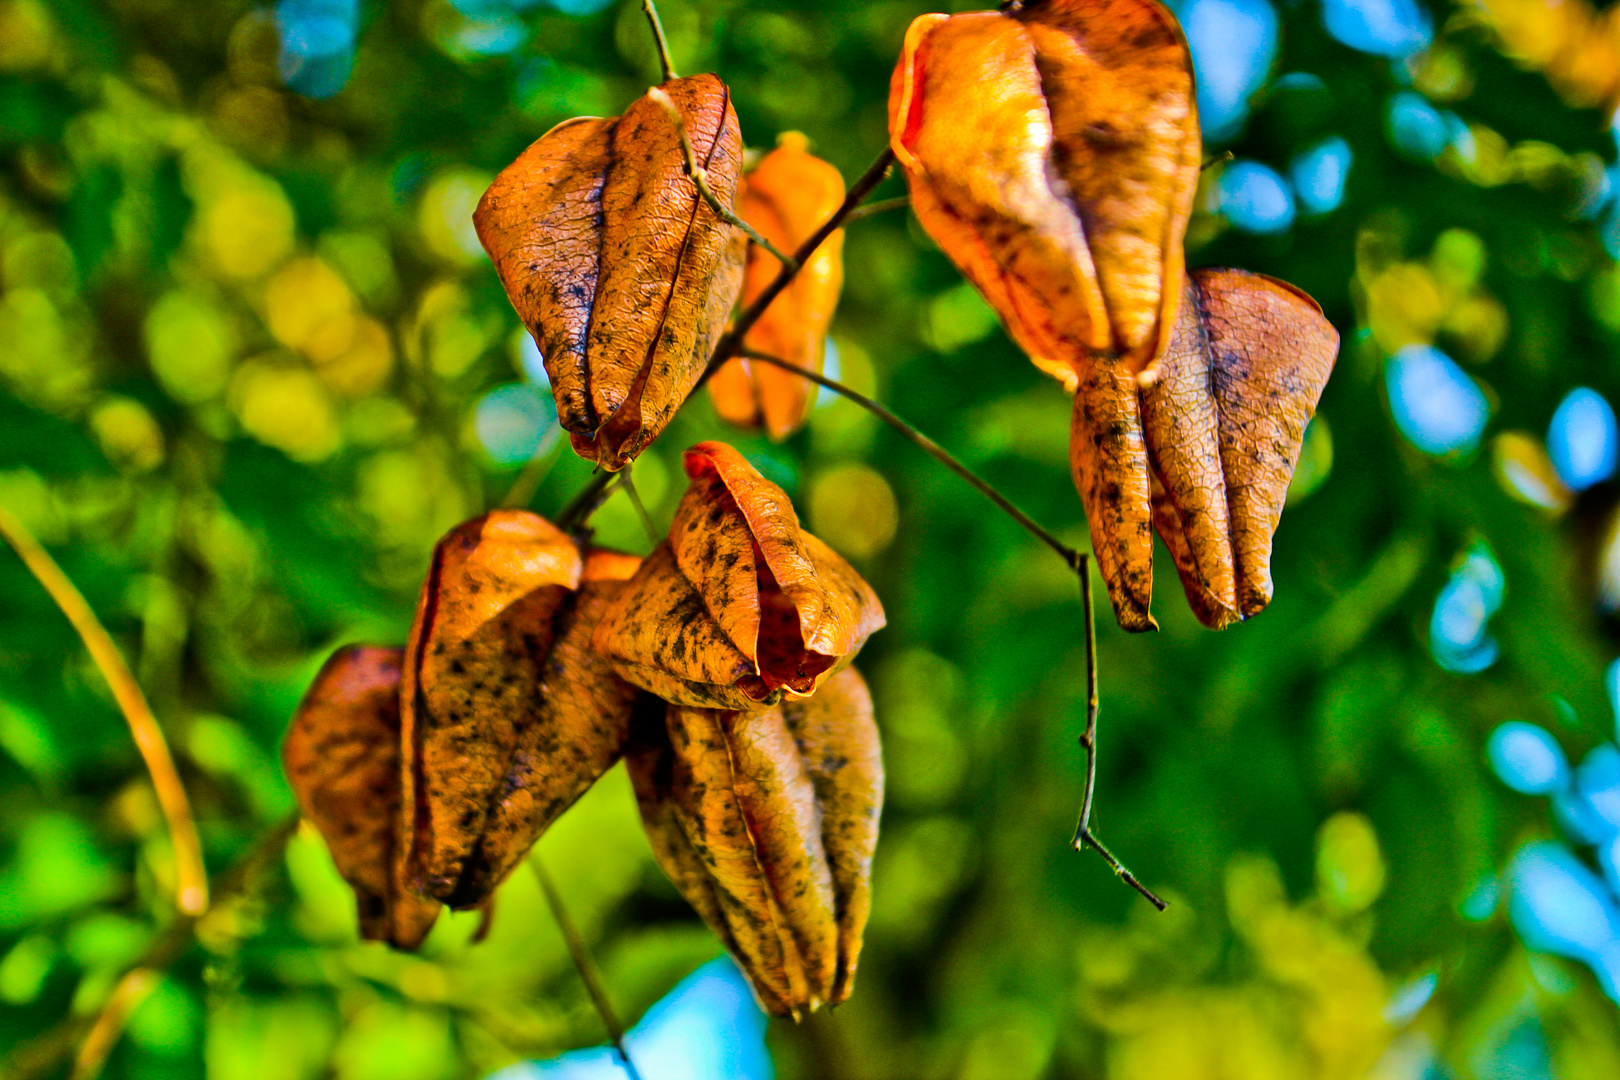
<point x="582" y="961"/>
<point x="191" y="877"/>
<point x="700" y="180"/>
<point x="1078" y="561"/>
<point x="1083" y="834"/>
<point x="933" y="450"/>
<point x="634" y="496"/>
<point x="731" y="344"/>
<point x="899" y="202"/>
<point x="583" y="505"/>
<point x="650" y="9"/>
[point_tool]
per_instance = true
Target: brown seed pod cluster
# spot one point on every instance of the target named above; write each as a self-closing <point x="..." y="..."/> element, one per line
<point x="432" y="770"/>
<point x="1052" y="149"/>
<point x="1059" y="178"/>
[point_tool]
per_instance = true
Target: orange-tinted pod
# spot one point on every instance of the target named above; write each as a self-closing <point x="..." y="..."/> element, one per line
<point x="766" y="821"/>
<point x="485" y="623"/>
<point x="577" y="726"/>
<point x="1110" y="463"/>
<point x="838" y="737"/>
<point x="1224" y="425"/>
<point x="786" y="197"/>
<point x="622" y="273"/>
<point x="1052" y="150"/>
<point x="341" y="755"/>
<point x="739" y="605"/>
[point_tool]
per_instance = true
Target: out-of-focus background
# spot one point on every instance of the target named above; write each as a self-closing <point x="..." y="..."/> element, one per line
<point x="253" y="363"/>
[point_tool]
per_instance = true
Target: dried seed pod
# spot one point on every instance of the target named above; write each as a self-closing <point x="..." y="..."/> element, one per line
<point x="1207" y="449"/>
<point x="1052" y="150"/>
<point x="787" y="197"/>
<point x="838" y="737"/>
<point x="508" y="714"/>
<point x="576" y="727"/>
<point x="1110" y="464"/>
<point x="1257" y="352"/>
<point x="766" y="821"/>
<point x="341" y="755"/>
<point x="738" y="605"/>
<point x="622" y="273"/>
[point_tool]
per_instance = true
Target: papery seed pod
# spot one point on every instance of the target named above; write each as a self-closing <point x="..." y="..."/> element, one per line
<point x="786" y="197"/>
<point x="1206" y="451"/>
<point x="1110" y="464"/>
<point x="1261" y="356"/>
<point x="739" y="605"/>
<point x="575" y="730"/>
<point x="622" y="273"/>
<point x="1052" y="150"/>
<point x="341" y="756"/>
<point x="508" y="715"/>
<point x="766" y="821"/>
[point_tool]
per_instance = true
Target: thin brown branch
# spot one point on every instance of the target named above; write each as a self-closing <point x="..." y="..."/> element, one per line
<point x="634" y="496"/>
<point x="700" y="180"/>
<point x="731" y="344"/>
<point x="1084" y="836"/>
<point x="191" y="877"/>
<point x="582" y="961"/>
<point x="880" y="207"/>
<point x="582" y="506"/>
<point x="932" y="449"/>
<point x="104" y="1034"/>
<point x="1078" y="561"/>
<point x="650" y="9"/>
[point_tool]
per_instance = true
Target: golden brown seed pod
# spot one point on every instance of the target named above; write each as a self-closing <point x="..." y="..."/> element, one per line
<point x="1204" y="453"/>
<point x="341" y="755"/>
<point x="508" y="715"/>
<point x="786" y="197"/>
<point x="619" y="269"/>
<point x="766" y="821"/>
<point x="1256" y="352"/>
<point x="1052" y="150"/>
<point x="739" y="605"/>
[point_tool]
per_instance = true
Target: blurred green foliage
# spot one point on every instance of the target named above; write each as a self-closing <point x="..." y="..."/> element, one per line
<point x="243" y="334"/>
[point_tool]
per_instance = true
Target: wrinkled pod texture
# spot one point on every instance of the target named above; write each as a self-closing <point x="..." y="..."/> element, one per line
<point x="621" y="271"/>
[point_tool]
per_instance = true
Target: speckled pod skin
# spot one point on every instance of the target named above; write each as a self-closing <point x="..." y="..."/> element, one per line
<point x="739" y="606"/>
<point x="622" y="273"/>
<point x="766" y="821"/>
<point x="1203" y="455"/>
<point x="508" y="715"/>
<point x="341" y="755"/>
<point x="1255" y="353"/>
<point x="1052" y="151"/>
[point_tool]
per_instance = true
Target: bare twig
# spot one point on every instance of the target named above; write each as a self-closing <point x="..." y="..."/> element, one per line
<point x="700" y="180"/>
<point x="731" y="344"/>
<point x="104" y="1034"/>
<point x="583" y="505"/>
<point x="1219" y="159"/>
<point x="634" y="496"/>
<point x="650" y="9"/>
<point x="932" y="449"/>
<point x="191" y="877"/>
<point x="41" y="1055"/>
<point x="1078" y="561"/>
<point x="900" y="202"/>
<point x="1083" y="834"/>
<point x="582" y="961"/>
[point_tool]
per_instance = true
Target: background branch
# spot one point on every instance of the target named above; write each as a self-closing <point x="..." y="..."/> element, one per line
<point x="191" y="877"/>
